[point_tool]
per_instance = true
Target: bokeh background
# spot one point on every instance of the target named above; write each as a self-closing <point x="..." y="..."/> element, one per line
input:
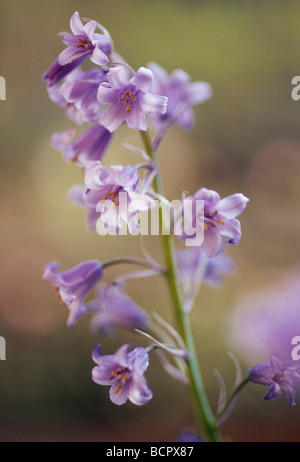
<point x="246" y="139"/>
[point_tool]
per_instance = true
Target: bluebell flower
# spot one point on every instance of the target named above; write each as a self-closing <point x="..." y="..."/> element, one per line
<point x="90" y="146"/>
<point x="74" y="284"/>
<point x="129" y="98"/>
<point x="124" y="373"/>
<point x="279" y="376"/>
<point x="114" y="308"/>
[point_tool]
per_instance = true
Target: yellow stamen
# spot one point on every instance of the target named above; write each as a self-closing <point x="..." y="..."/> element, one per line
<point x="210" y="223"/>
<point x="119" y="387"/>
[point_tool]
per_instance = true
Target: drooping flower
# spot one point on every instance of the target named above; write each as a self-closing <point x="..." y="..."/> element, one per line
<point x="124" y="373"/>
<point x="182" y="95"/>
<point x="82" y="43"/>
<point x="129" y="98"/>
<point x="114" y="308"/>
<point x="90" y="146"/>
<point x="113" y="191"/>
<point x="85" y="41"/>
<point x="78" y="95"/>
<point x="279" y="375"/>
<point x="74" y="284"/>
<point x="216" y="218"/>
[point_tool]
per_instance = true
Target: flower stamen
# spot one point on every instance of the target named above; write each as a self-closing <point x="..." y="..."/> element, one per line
<point x="128" y="97"/>
<point x="84" y="43"/>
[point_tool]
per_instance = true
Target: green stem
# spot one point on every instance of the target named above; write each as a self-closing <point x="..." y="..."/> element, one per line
<point x="202" y="409"/>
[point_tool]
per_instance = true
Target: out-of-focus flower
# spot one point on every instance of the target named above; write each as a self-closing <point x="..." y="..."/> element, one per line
<point x="189" y="435"/>
<point x="195" y="268"/>
<point x="182" y="95"/>
<point x="74" y="284"/>
<point x="217" y="219"/>
<point x="113" y="191"/>
<point x="266" y="320"/>
<point x="124" y="373"/>
<point x="90" y="146"/>
<point x="129" y="98"/>
<point x="114" y="308"/>
<point x="279" y="375"/>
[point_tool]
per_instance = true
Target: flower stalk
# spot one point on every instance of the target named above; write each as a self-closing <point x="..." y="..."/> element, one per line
<point x="202" y="410"/>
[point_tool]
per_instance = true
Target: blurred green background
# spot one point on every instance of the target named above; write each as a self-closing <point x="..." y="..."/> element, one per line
<point x="246" y="139"/>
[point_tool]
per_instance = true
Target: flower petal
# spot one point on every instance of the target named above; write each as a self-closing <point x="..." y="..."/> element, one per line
<point x="89" y="29"/>
<point x="231" y="229"/>
<point x="76" y="24"/>
<point x="118" y="77"/>
<point x="118" y="393"/>
<point x="139" y="393"/>
<point x="207" y="195"/>
<point x="136" y="119"/>
<point x="199" y="92"/>
<point x="143" y="79"/>
<point x="273" y="392"/>
<point x="113" y="117"/>
<point x="99" y="57"/>
<point x="233" y="205"/>
<point x="106" y="94"/>
<point x="153" y="104"/>
<point x="212" y="243"/>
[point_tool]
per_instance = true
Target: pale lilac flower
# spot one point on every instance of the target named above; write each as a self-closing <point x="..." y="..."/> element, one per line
<point x="279" y="375"/>
<point x="90" y="146"/>
<point x="114" y="308"/>
<point x="74" y="284"/>
<point x="85" y="41"/>
<point x="218" y="220"/>
<point x="129" y="98"/>
<point x="113" y="191"/>
<point x="78" y="95"/>
<point x="182" y="95"/>
<point x="124" y="373"/>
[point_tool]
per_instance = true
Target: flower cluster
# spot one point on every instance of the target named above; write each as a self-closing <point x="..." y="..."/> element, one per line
<point x="102" y="99"/>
